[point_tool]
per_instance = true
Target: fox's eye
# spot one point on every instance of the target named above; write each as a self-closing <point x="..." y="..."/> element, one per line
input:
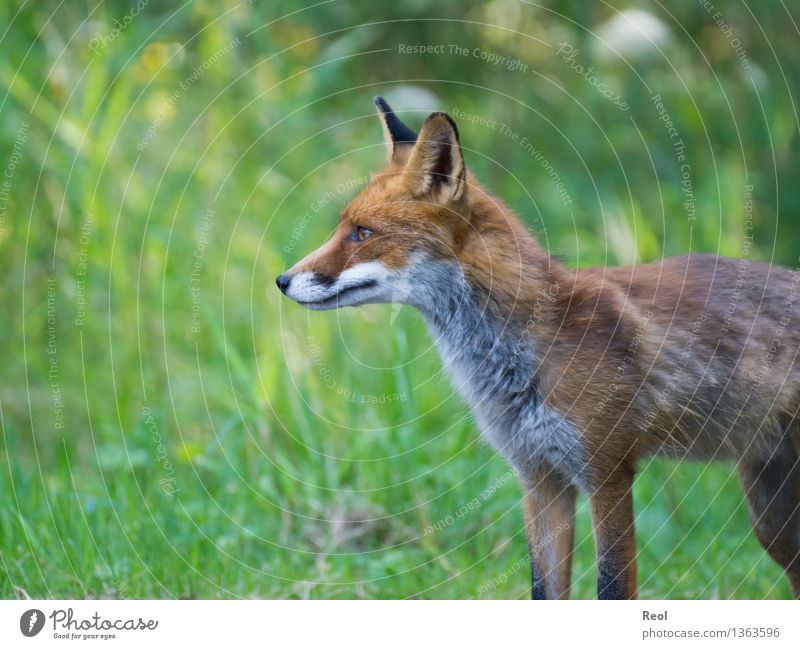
<point x="361" y="233"/>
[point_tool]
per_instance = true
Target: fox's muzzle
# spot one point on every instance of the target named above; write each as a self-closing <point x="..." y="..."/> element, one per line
<point x="365" y="283"/>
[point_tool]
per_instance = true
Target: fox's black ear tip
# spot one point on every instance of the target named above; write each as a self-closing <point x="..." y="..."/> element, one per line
<point x="398" y="132"/>
<point x="445" y="116"/>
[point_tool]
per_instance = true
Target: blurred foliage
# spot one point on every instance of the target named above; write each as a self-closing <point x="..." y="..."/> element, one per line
<point x="164" y="173"/>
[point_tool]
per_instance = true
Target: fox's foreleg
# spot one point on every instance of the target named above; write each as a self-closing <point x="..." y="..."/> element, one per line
<point x="615" y="544"/>
<point x="550" y="525"/>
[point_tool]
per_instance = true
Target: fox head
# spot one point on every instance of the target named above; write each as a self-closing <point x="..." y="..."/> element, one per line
<point x="389" y="238"/>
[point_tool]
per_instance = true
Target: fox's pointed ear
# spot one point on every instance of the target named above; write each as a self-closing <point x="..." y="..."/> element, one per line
<point x="399" y="138"/>
<point x="436" y="164"/>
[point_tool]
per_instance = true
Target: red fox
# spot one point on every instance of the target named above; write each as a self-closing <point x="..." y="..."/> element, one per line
<point x="574" y="375"/>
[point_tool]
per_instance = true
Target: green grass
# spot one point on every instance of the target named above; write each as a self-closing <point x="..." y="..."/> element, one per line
<point x="243" y="528"/>
<point x="325" y="455"/>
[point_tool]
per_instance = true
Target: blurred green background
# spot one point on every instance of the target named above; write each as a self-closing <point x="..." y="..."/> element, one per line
<point x="172" y="428"/>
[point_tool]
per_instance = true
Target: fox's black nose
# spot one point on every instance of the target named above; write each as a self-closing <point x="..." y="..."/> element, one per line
<point x="283" y="282"/>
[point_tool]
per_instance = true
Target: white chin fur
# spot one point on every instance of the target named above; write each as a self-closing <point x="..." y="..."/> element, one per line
<point x="367" y="283"/>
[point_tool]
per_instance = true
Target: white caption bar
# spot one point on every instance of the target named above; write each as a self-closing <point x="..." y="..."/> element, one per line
<point x="401" y="624"/>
